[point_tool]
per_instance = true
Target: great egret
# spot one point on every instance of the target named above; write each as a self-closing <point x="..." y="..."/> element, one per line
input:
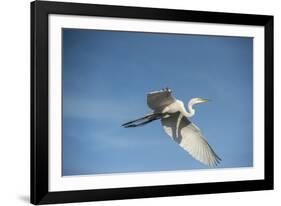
<point x="176" y="123"/>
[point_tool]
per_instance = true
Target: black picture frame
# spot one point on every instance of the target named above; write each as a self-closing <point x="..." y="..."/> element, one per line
<point x="40" y="110"/>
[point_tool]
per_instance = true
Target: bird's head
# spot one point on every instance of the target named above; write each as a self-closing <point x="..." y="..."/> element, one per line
<point x="197" y="100"/>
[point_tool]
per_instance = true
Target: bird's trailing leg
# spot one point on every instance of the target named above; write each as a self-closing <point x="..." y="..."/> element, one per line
<point x="144" y="120"/>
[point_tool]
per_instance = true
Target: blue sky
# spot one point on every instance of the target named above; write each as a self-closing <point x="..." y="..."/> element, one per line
<point x="106" y="75"/>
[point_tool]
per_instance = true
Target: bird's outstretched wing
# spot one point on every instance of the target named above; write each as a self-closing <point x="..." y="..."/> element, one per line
<point x="189" y="137"/>
<point x="157" y="100"/>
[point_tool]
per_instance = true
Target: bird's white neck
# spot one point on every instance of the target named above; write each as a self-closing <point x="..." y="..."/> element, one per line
<point x="190" y="111"/>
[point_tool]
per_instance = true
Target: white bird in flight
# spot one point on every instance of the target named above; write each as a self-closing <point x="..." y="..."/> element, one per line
<point x="175" y="121"/>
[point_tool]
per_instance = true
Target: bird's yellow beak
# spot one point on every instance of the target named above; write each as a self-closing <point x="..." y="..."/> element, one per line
<point x="205" y="100"/>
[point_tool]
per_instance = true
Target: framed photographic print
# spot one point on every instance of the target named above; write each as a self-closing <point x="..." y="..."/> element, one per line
<point x="131" y="102"/>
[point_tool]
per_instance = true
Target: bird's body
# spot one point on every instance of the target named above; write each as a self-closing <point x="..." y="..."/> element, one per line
<point x="174" y="107"/>
<point x="175" y="121"/>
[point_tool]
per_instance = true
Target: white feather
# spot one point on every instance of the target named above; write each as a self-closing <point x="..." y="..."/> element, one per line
<point x="190" y="139"/>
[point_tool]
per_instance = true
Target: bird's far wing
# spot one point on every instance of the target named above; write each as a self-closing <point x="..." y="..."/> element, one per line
<point x="190" y="138"/>
<point x="159" y="99"/>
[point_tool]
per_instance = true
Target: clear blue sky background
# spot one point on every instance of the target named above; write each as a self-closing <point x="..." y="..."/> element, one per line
<point x="106" y="75"/>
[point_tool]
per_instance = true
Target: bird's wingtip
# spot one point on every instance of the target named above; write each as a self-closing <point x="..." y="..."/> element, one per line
<point x="161" y="90"/>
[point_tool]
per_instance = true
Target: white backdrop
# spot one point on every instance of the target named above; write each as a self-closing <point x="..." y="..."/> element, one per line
<point x="14" y="102"/>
